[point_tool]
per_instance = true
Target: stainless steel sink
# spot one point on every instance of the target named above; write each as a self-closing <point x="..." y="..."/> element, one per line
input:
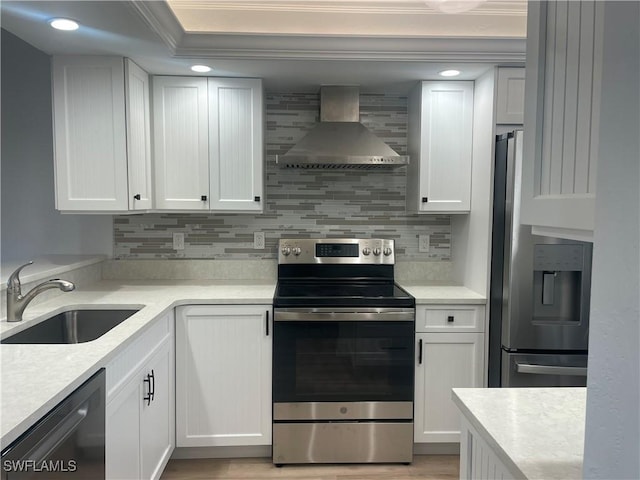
<point x="72" y="326"/>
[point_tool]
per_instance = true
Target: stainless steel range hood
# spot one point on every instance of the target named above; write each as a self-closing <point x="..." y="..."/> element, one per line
<point x="340" y="140"/>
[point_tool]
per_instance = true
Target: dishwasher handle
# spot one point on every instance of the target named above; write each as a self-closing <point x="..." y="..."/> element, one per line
<point x="550" y="370"/>
<point x="59" y="434"/>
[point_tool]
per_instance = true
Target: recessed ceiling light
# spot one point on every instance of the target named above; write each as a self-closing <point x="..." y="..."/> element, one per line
<point x="201" y="68"/>
<point x="63" y="24"/>
<point x="449" y="73"/>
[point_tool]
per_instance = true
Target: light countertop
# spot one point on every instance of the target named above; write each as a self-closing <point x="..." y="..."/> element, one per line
<point x="431" y="294"/>
<point x="34" y="378"/>
<point x="535" y="432"/>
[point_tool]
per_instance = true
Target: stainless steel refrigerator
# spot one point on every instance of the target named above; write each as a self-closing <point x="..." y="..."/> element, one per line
<point x="539" y="294"/>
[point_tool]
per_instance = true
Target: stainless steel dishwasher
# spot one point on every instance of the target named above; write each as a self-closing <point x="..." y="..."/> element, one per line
<point x="68" y="442"/>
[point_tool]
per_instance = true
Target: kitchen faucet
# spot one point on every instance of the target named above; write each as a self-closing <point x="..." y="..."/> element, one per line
<point x="16" y="302"/>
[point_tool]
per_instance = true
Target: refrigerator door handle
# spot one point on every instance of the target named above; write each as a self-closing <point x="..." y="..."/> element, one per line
<point x="550" y="370"/>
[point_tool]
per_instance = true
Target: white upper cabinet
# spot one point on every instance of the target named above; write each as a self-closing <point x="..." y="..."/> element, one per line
<point x="91" y="122"/>
<point x="510" y="95"/>
<point x="235" y="144"/>
<point x="181" y="139"/>
<point x="440" y="147"/>
<point x="138" y="112"/>
<point x="208" y="137"/>
<point x="564" y="67"/>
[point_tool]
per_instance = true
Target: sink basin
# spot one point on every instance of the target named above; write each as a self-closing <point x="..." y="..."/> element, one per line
<point x="72" y="326"/>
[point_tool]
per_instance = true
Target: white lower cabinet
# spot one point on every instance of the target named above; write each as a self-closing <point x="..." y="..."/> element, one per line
<point x="140" y="417"/>
<point x="445" y="361"/>
<point x="223" y="375"/>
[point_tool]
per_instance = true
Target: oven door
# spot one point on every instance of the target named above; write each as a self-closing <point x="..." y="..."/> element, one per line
<point x="340" y="355"/>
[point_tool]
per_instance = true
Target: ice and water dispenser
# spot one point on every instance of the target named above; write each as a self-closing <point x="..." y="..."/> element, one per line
<point x="561" y="282"/>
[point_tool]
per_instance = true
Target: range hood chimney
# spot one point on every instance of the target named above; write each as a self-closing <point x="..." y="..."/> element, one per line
<point x="340" y="140"/>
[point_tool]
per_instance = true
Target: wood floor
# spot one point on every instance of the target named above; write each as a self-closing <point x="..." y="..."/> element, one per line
<point x="424" y="467"/>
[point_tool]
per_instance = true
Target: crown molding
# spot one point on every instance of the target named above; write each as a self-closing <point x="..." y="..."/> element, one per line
<point x="296" y="47"/>
<point x="160" y="18"/>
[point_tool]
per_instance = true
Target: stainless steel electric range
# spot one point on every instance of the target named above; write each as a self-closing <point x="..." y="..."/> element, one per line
<point x="343" y="354"/>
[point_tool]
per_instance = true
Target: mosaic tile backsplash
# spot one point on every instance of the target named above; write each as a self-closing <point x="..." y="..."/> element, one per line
<point x="301" y="203"/>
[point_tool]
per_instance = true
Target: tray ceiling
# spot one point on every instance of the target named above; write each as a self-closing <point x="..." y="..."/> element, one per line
<point x="472" y="18"/>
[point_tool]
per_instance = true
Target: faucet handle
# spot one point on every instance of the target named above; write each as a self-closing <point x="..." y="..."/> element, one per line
<point x="13" y="283"/>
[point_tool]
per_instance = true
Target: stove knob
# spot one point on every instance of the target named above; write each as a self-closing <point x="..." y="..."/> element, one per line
<point x="376" y="251"/>
<point x="286" y="251"/>
<point x="366" y="250"/>
<point x="296" y="251"/>
<point x="387" y="251"/>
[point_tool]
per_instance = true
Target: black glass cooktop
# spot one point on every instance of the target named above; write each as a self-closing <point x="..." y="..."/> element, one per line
<point x="315" y="294"/>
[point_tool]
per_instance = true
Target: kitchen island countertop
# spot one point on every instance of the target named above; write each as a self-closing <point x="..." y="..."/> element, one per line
<point x="537" y="433"/>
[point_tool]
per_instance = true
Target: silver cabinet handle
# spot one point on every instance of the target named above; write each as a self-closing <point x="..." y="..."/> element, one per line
<point x="550" y="370"/>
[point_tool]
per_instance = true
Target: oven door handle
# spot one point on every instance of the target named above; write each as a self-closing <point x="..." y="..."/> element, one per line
<point x="379" y="316"/>
<point x="550" y="370"/>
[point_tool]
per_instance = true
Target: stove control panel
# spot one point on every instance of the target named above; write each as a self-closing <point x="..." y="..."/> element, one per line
<point x="336" y="250"/>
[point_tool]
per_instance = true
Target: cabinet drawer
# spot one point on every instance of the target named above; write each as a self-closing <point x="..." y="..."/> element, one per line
<point x="450" y="318"/>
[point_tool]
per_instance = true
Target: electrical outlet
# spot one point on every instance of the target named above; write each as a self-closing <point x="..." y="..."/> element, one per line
<point x="178" y="241"/>
<point x="423" y="243"/>
<point x="258" y="240"/>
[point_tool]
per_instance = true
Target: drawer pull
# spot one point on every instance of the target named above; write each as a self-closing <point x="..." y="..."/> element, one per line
<point x="450" y="319"/>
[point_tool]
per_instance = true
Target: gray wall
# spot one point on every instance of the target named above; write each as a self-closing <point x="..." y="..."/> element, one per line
<point x="30" y="224"/>
<point x="301" y="203"/>
<point x="612" y="438"/>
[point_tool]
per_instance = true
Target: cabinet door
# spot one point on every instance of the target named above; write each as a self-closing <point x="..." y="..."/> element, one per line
<point x="122" y="433"/>
<point x="138" y="137"/>
<point x="158" y="415"/>
<point x="510" y="104"/>
<point x="223" y="376"/>
<point x="181" y="143"/>
<point x="449" y="360"/>
<point x="440" y="147"/>
<point x="564" y="67"/>
<point x="236" y="145"/>
<point x="90" y="133"/>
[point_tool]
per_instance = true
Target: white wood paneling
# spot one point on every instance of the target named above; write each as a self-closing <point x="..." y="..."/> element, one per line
<point x="477" y="459"/>
<point x="449" y="360"/>
<point x="510" y="96"/>
<point x="236" y="143"/>
<point x="564" y="68"/>
<point x="138" y="137"/>
<point x="90" y="133"/>
<point x="181" y="153"/>
<point x="223" y="376"/>
<point x="440" y="147"/>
